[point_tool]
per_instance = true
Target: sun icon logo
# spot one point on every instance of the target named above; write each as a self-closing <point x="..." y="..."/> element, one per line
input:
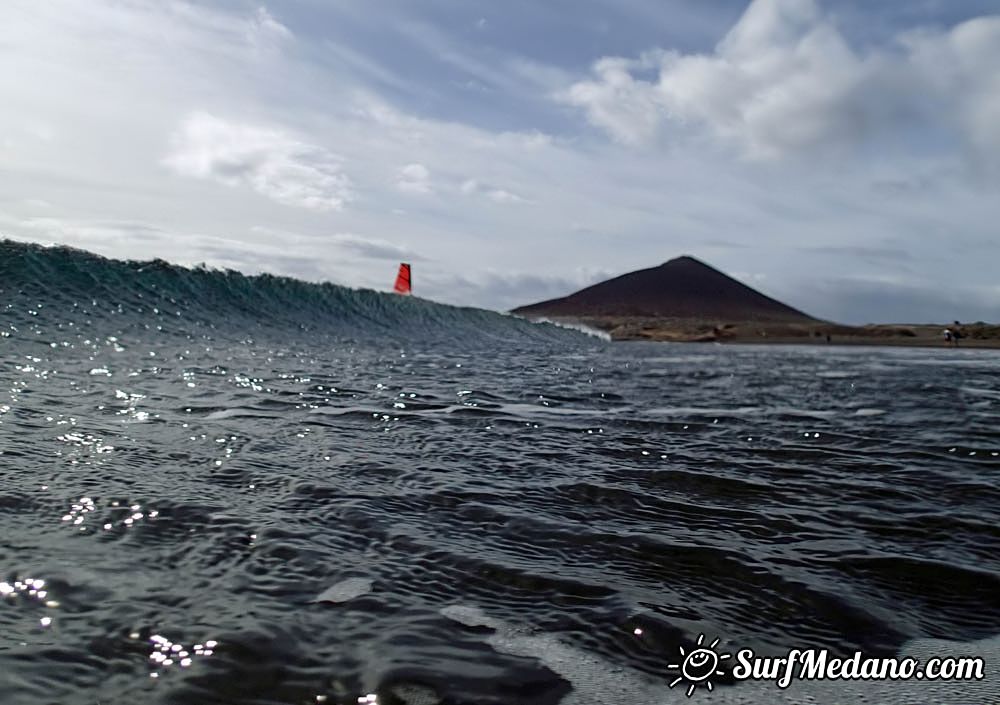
<point x="699" y="665"/>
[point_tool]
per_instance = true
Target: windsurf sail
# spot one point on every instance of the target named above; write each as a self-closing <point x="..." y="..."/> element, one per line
<point x="403" y="279"/>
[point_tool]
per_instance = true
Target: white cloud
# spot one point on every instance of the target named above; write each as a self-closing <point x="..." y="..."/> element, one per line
<point x="414" y="178"/>
<point x="498" y="195"/>
<point x="268" y="160"/>
<point x="785" y="79"/>
<point x="289" y="116"/>
<point x="264" y="30"/>
<point x="962" y="69"/>
<point x="617" y="102"/>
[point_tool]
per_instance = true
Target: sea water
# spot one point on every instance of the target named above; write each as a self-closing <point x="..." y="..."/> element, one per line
<point x="222" y="489"/>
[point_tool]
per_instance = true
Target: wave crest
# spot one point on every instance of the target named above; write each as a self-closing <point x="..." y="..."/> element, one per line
<point x="39" y="283"/>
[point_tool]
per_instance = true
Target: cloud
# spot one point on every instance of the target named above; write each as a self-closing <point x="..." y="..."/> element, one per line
<point x="304" y="128"/>
<point x="341" y="258"/>
<point x="268" y="160"/>
<point x="863" y="252"/>
<point x="962" y="69"/>
<point x="627" y="108"/>
<point x="414" y="178"/>
<point x="90" y="234"/>
<point x="264" y="30"/>
<point x="498" y="195"/>
<point x="786" y="80"/>
<point x="507" y="290"/>
<point x="373" y="248"/>
<point x="860" y="300"/>
<point x="460" y="57"/>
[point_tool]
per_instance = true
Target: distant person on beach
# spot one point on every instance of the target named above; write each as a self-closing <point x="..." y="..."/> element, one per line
<point x="947" y="335"/>
<point x="957" y="334"/>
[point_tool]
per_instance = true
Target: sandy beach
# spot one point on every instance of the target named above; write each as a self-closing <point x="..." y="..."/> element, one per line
<point x="974" y="335"/>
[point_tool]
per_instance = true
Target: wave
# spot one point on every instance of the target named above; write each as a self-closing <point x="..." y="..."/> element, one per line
<point x="65" y="286"/>
<point x="579" y="327"/>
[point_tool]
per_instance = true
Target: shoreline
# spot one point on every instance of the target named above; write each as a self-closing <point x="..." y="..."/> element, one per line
<point x="979" y="335"/>
<point x="842" y="342"/>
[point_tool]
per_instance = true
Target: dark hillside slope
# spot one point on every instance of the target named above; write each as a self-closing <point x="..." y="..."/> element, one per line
<point x="681" y="288"/>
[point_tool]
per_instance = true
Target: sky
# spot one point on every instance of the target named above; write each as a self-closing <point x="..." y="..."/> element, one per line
<point x="843" y="156"/>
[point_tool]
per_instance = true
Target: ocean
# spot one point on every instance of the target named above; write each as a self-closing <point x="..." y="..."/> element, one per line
<point x="226" y="489"/>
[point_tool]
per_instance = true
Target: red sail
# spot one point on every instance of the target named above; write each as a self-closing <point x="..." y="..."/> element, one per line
<point x="403" y="279"/>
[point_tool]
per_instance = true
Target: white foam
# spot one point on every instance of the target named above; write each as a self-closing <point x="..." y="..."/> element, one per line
<point x="594" y="680"/>
<point x="578" y="327"/>
<point x="225" y="413"/>
<point x="597" y="681"/>
<point x="345" y="590"/>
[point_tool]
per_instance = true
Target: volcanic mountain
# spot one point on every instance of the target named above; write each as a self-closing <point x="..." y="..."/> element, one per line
<point x="683" y="288"/>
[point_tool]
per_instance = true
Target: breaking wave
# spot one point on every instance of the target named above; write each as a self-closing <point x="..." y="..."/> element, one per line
<point x="172" y="299"/>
